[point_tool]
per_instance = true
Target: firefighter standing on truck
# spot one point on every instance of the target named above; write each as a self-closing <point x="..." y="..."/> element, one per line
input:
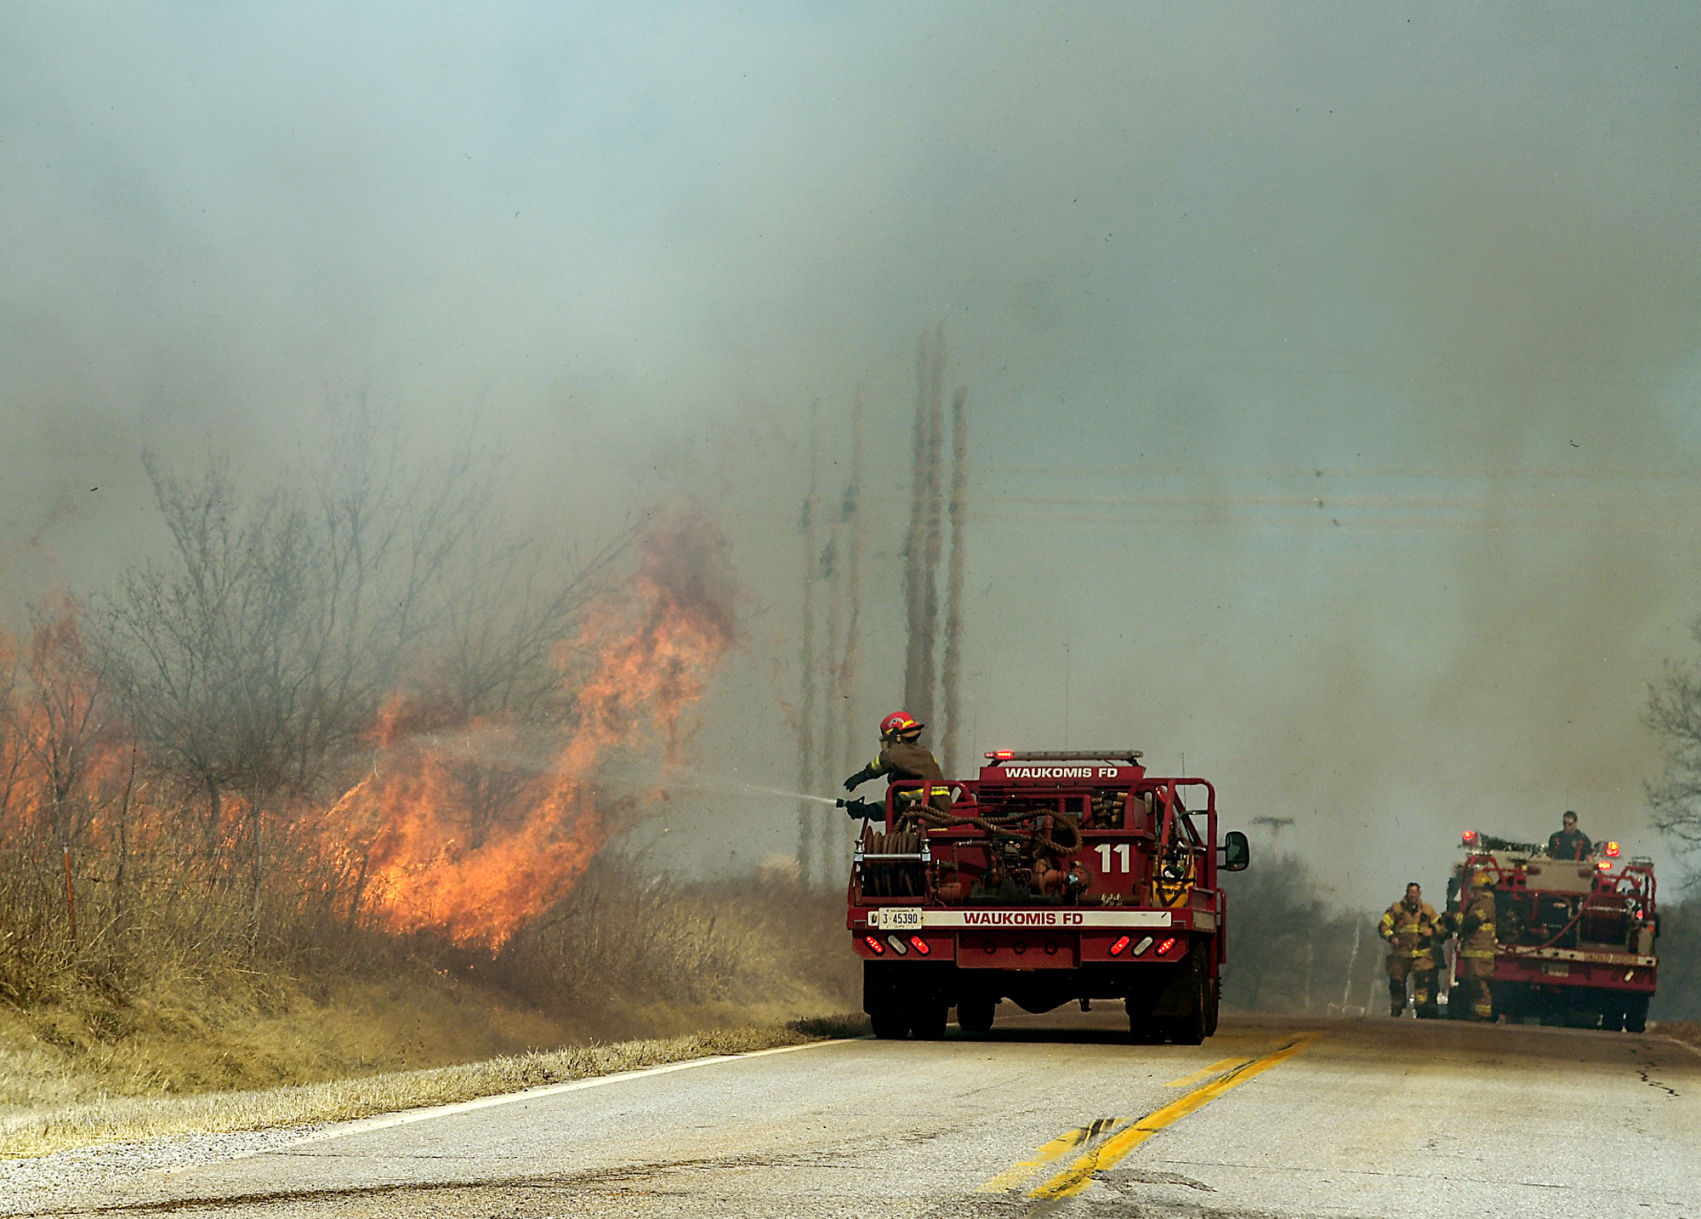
<point x="1410" y="926"/>
<point x="1569" y="842"/>
<point x="1475" y="924"/>
<point x="901" y="757"/>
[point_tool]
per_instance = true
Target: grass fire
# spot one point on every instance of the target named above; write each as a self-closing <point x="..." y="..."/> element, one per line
<point x="357" y="733"/>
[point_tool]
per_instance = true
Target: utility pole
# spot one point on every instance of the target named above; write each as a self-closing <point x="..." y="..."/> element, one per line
<point x="806" y="773"/>
<point x="952" y="733"/>
<point x="853" y="519"/>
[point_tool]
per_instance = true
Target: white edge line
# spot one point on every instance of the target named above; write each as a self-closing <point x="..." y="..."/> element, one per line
<point x="384" y="1121"/>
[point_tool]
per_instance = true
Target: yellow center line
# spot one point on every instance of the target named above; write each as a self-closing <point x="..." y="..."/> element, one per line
<point x="1059" y="1147"/>
<point x="1079" y="1175"/>
<point x="1204" y="1073"/>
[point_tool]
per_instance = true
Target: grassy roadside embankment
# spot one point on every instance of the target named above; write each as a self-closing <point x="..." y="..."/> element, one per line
<point x="625" y="971"/>
<point x="132" y="1118"/>
<point x="1686" y="1031"/>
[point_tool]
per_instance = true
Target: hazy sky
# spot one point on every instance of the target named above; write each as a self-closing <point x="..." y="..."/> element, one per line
<point x="1334" y="369"/>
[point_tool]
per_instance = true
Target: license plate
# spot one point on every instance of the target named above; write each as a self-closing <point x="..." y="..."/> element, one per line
<point x="896" y="918"/>
<point x="1556" y="969"/>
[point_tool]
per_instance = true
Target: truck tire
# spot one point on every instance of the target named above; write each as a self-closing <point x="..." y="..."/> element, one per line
<point x="927" y="1021"/>
<point x="890" y="1023"/>
<point x="1143" y="1028"/>
<point x="1187" y="1000"/>
<point x="975" y="1015"/>
<point x="1193" y="1025"/>
<point x="1636" y="1014"/>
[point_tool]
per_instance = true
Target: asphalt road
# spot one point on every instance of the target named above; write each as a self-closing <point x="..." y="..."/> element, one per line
<point x="1049" y="1115"/>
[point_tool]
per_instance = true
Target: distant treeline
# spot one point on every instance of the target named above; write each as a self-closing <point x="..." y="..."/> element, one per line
<point x="1291" y="950"/>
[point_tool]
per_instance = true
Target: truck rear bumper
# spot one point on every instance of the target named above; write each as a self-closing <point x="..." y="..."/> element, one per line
<point x="1026" y="950"/>
<point x="1555" y="969"/>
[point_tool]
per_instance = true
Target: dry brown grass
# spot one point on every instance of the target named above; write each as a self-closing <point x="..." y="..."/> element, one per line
<point x="119" y="1050"/>
<point x="230" y="1029"/>
<point x="1687" y="1031"/>
<point x="133" y="1118"/>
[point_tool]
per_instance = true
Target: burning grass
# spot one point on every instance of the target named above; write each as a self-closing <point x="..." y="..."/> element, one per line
<point x="295" y="785"/>
<point x="622" y="955"/>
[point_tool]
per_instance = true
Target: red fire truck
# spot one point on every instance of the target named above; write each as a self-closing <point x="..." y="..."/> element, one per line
<point x="1575" y="937"/>
<point x="1054" y="876"/>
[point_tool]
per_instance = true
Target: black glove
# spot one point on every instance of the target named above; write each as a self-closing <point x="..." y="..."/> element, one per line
<point x="860" y="777"/>
<point x="850" y="783"/>
<point x="1471" y="923"/>
<point x="862" y="810"/>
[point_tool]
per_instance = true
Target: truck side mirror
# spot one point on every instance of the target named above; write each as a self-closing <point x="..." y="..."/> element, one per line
<point x="1237" y="853"/>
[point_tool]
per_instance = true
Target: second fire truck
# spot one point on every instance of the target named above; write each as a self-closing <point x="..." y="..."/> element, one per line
<point x="1575" y="938"/>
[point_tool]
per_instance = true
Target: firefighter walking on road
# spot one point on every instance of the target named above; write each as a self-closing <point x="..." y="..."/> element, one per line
<point x="1475" y="925"/>
<point x="1410" y="927"/>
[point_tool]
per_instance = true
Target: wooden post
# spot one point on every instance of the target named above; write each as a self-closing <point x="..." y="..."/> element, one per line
<point x="70" y="896"/>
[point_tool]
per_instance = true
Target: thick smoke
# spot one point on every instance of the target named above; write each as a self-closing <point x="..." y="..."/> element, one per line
<point x="1333" y="368"/>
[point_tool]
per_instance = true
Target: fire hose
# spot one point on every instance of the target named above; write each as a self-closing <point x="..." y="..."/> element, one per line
<point x="1063" y="839"/>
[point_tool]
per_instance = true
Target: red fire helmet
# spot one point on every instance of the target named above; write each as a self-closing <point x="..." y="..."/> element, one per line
<point x="899" y="722"/>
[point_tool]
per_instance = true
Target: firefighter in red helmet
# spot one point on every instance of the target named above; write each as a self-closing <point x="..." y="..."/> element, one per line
<point x="902" y="757"/>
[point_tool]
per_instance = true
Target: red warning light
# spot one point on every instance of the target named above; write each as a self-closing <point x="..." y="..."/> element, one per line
<point x="1000" y="755"/>
<point x="1612" y="850"/>
<point x="1469" y="838"/>
<point x="1121" y="943"/>
<point x="920" y="945"/>
<point x="1605" y="865"/>
<point x="1165" y="944"/>
<point x="874" y="945"/>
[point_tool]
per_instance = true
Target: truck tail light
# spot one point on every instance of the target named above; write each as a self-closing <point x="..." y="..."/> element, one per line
<point x="1145" y="943"/>
<point x="1121" y="943"/>
<point x="920" y="945"/>
<point x="1612" y="850"/>
<point x="898" y="946"/>
<point x="874" y="945"/>
<point x="1165" y="944"/>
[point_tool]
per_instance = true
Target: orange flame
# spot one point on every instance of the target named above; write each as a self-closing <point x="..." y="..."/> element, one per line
<point x="447" y="852"/>
<point x="58" y="756"/>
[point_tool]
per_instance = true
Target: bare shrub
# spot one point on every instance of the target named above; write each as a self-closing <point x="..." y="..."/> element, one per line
<point x="619" y="936"/>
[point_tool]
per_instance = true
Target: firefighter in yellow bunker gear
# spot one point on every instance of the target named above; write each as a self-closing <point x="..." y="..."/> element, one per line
<point x="1410" y="927"/>
<point x="902" y="757"/>
<point x="1474" y="923"/>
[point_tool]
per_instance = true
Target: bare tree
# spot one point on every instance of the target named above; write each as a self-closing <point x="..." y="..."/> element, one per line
<point x="63" y="719"/>
<point x="1674" y="712"/>
<point x="12" y="750"/>
<point x="254" y="657"/>
<point x="501" y="628"/>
